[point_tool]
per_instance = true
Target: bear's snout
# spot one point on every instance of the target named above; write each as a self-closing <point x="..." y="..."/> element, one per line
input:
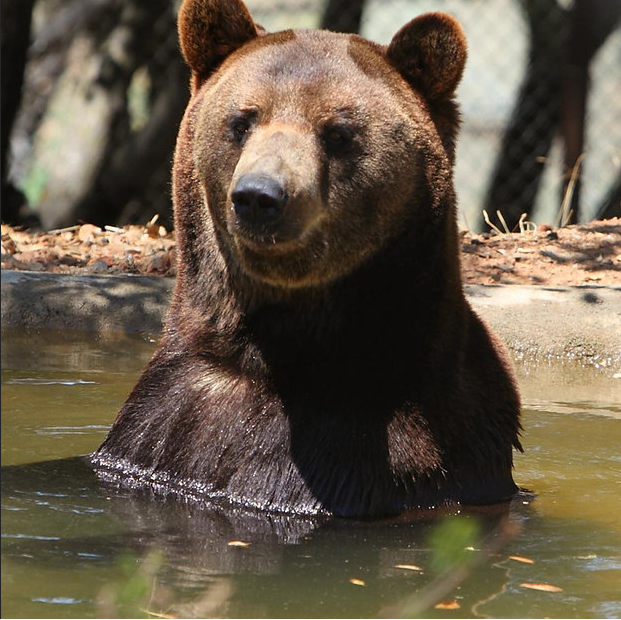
<point x="274" y="195"/>
<point x="258" y="201"/>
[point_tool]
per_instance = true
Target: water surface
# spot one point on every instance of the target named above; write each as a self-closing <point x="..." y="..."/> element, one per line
<point x="74" y="547"/>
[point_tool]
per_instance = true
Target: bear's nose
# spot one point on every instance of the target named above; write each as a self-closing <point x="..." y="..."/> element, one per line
<point x="258" y="199"/>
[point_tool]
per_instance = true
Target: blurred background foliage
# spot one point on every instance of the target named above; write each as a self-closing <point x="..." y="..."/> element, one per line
<point x="93" y="92"/>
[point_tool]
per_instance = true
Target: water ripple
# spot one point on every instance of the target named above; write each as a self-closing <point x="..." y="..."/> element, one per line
<point x="38" y="381"/>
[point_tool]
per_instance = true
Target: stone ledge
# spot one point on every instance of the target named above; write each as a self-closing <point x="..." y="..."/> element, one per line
<point x="580" y="323"/>
<point x="123" y="303"/>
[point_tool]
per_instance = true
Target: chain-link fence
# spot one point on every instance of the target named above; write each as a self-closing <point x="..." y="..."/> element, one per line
<point x="541" y="103"/>
<point x="541" y="97"/>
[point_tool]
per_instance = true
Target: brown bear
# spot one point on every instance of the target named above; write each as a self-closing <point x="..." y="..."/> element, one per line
<point x="319" y="355"/>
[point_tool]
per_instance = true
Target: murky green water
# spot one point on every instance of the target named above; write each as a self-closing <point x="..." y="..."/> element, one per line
<point x="74" y="548"/>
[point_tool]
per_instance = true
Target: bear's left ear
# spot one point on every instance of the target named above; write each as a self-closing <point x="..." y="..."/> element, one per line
<point x="210" y="30"/>
<point x="430" y="53"/>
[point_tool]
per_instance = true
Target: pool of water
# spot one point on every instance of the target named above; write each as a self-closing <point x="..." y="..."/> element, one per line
<point x="74" y="547"/>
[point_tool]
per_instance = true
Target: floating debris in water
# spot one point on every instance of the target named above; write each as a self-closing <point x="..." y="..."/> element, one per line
<point x="447" y="605"/>
<point x="520" y="558"/>
<point x="238" y="543"/>
<point x="543" y="587"/>
<point x="357" y="582"/>
<point x="409" y="567"/>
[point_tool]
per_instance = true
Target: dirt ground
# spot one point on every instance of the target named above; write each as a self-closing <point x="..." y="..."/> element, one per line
<point x="574" y="255"/>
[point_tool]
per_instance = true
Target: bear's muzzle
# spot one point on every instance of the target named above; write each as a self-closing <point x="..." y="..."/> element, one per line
<point x="274" y="197"/>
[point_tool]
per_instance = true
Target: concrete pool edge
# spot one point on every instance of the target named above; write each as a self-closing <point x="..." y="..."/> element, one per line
<point x="581" y="323"/>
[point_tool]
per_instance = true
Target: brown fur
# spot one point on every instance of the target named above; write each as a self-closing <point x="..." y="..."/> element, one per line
<point x="319" y="354"/>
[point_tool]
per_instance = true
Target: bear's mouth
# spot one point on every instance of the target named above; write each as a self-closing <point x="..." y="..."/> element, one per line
<point x="273" y="239"/>
<point x="266" y="245"/>
<point x="283" y="263"/>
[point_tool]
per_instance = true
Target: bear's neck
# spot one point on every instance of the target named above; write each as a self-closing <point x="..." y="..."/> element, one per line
<point x="387" y="309"/>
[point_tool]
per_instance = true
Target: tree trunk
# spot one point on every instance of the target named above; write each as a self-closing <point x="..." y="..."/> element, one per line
<point x="16" y="16"/>
<point x="343" y="15"/>
<point x="96" y="164"/>
<point x="534" y="122"/>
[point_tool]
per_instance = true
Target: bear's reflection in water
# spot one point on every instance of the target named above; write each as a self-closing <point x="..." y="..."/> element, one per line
<point x="275" y="559"/>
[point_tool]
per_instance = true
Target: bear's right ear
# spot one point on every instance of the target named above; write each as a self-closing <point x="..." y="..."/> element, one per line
<point x="430" y="53"/>
<point x="210" y="30"/>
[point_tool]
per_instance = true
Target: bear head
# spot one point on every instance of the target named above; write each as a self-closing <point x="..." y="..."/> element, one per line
<point x="308" y="151"/>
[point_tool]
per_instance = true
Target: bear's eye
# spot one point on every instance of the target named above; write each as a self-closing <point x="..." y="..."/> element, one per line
<point x="239" y="126"/>
<point x="337" y="139"/>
